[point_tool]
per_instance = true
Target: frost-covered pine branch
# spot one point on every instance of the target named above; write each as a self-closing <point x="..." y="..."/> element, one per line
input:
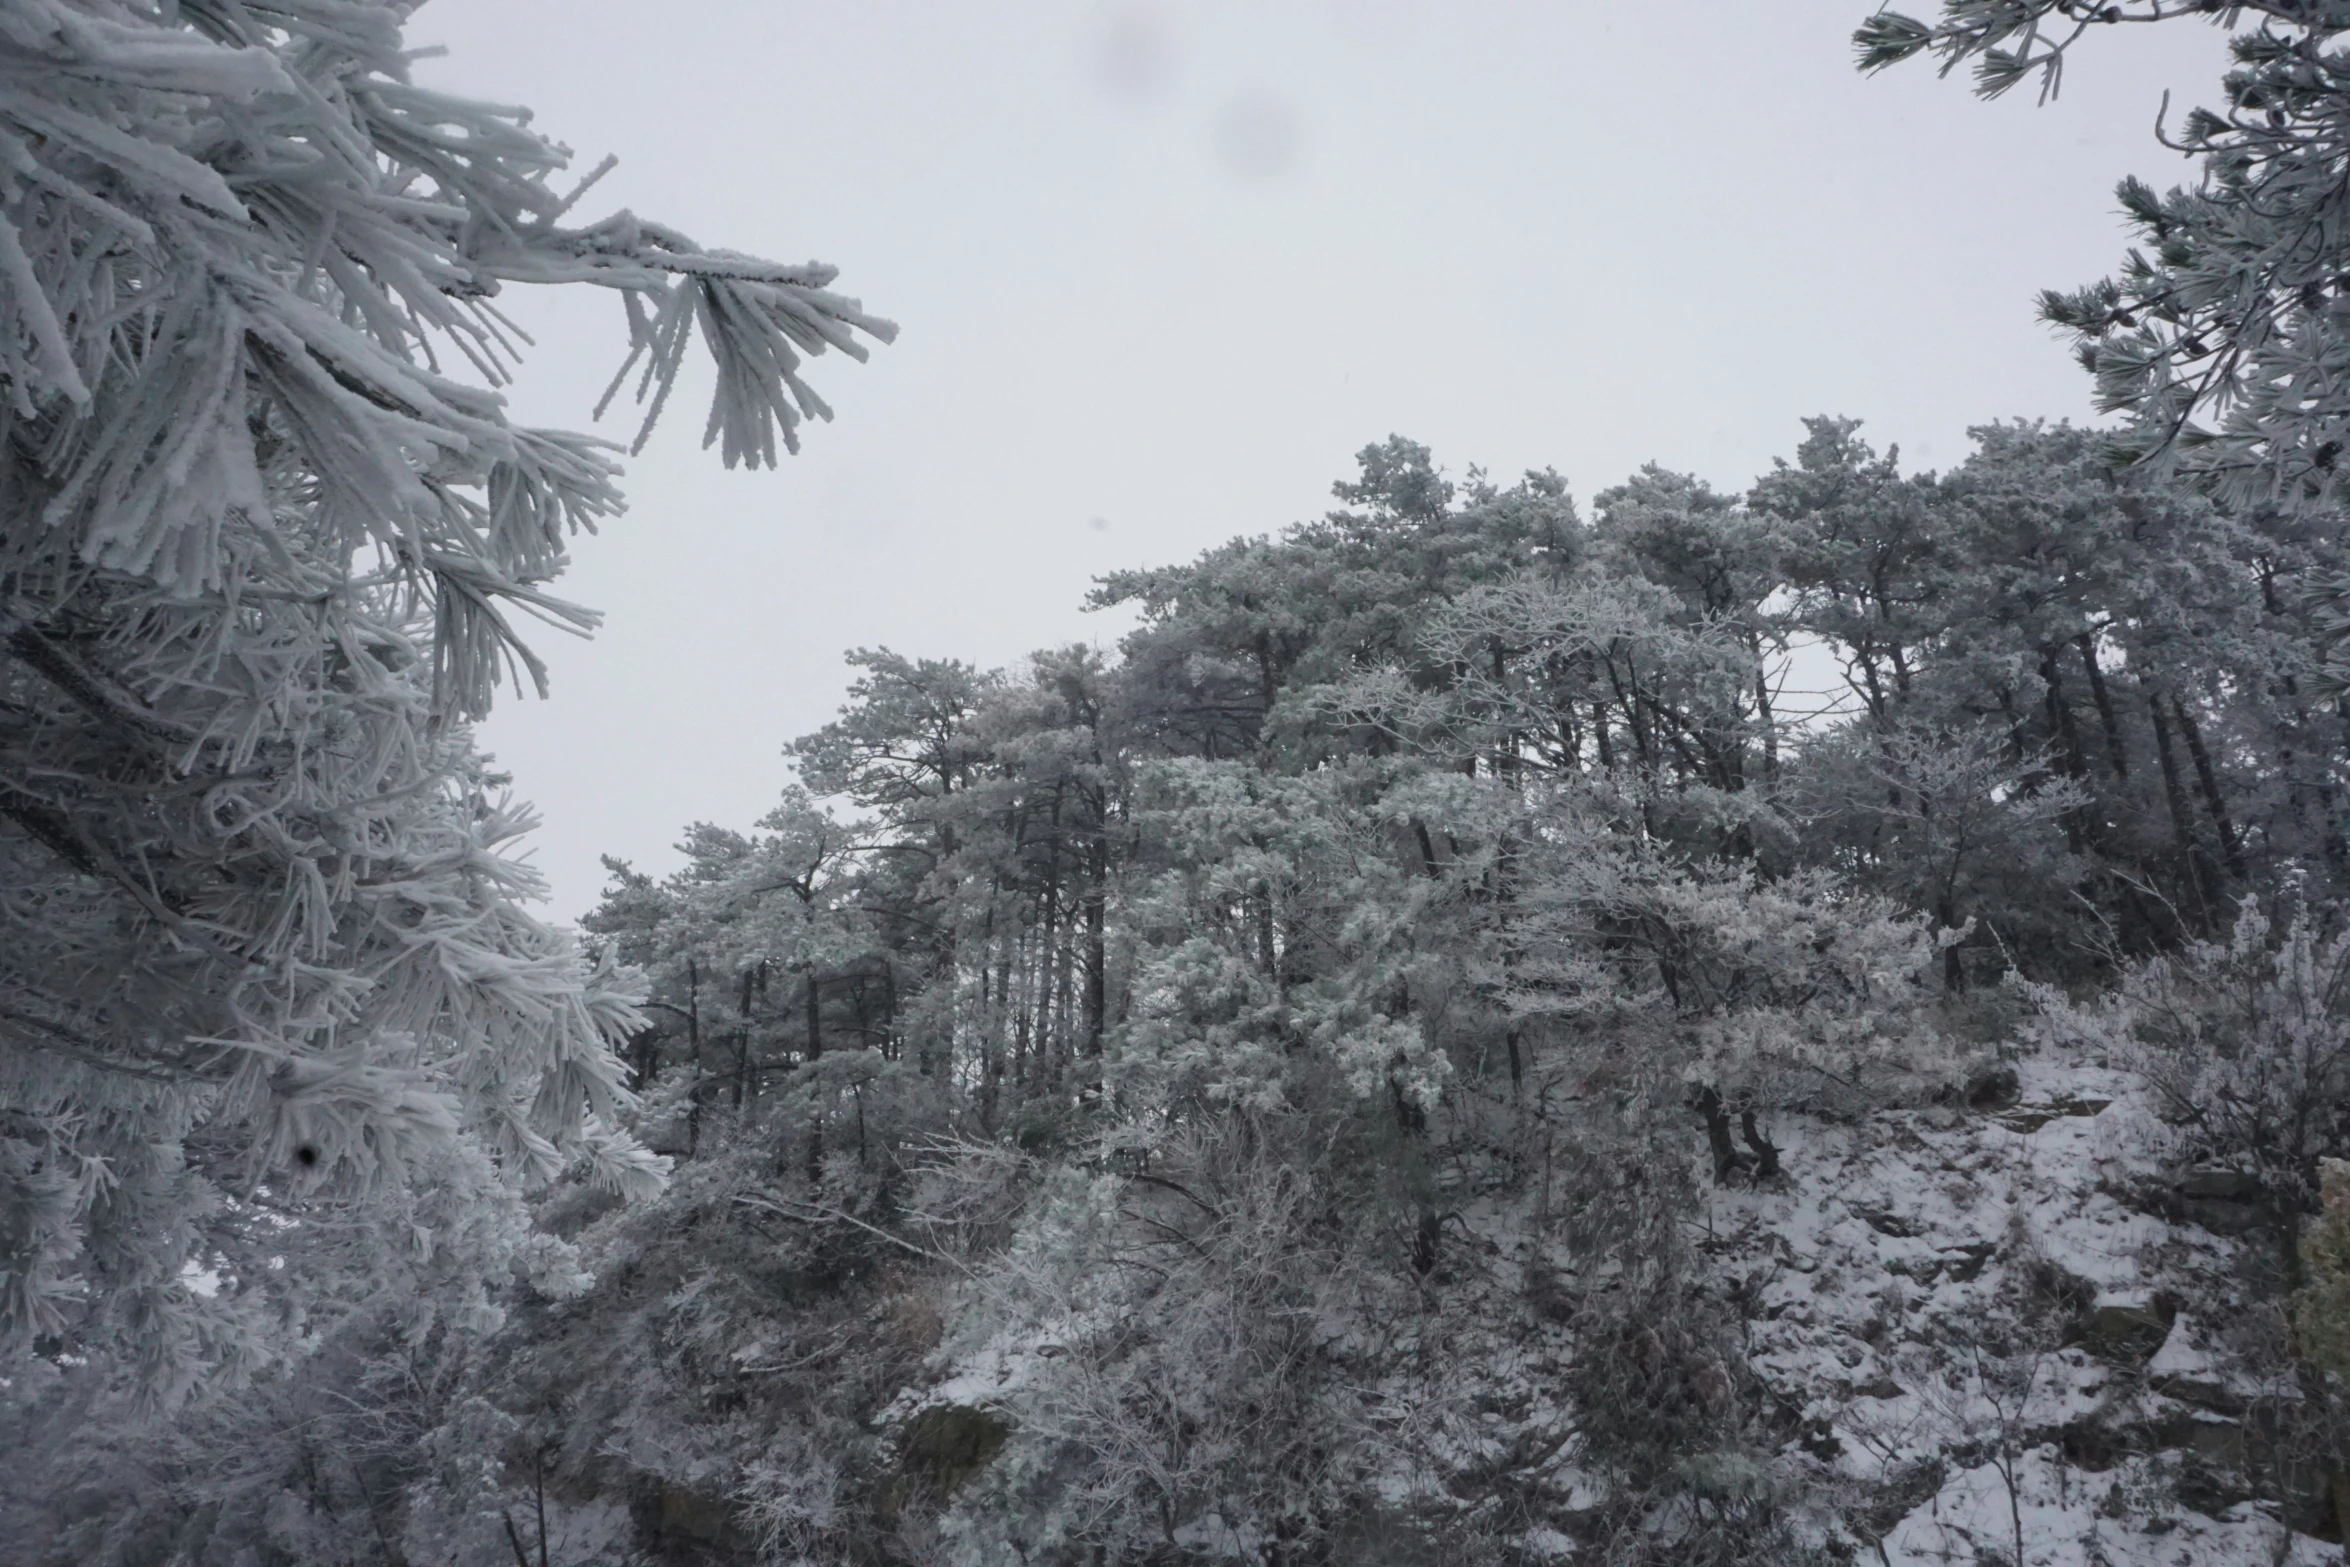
<point x="264" y="530"/>
<point x="2225" y="338"/>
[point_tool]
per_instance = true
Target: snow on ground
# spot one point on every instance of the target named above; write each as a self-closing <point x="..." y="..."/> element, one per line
<point x="2069" y="1517"/>
<point x="1971" y="1293"/>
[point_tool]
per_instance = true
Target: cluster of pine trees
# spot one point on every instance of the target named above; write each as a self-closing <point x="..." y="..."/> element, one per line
<point x="2055" y="719"/>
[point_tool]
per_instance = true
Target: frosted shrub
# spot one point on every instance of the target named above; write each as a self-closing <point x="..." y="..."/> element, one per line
<point x="2246" y="1045"/>
<point x="1168" y="1332"/>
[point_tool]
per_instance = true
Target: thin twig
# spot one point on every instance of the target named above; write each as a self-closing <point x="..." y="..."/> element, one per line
<point x="816" y="1214"/>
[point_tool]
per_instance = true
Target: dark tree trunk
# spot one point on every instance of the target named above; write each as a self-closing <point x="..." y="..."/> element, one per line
<point x="1953" y="966"/>
<point x="815" y="1099"/>
<point x="693" y="1034"/>
<point x="815" y="1020"/>
<point x="742" y="1044"/>
<point x="1268" y="955"/>
<point x="2104" y="701"/>
<point x="1427" y="847"/>
<point x="1727" y="1158"/>
<point x="991" y="1066"/>
<point x="1505" y="898"/>
<point x="1097" y="960"/>
<point x="2068" y="737"/>
<point x="1426" y="1233"/>
<point x="2182" y="828"/>
<point x="2208" y="779"/>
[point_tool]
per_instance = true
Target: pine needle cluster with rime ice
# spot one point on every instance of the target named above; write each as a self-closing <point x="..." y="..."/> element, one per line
<point x="264" y="530"/>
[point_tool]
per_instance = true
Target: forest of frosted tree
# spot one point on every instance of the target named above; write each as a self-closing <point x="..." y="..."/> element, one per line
<point x="1808" y="1024"/>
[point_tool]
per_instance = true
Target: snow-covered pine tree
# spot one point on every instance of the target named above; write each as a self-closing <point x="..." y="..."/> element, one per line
<point x="2226" y="337"/>
<point x="263" y="527"/>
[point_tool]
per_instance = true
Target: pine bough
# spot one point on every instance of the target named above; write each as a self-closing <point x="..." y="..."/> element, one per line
<point x="264" y="527"/>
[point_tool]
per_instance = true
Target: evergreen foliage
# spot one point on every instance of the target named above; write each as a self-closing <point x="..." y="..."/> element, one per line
<point x="276" y="1034"/>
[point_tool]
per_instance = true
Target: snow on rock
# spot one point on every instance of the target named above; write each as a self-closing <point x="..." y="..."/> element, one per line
<point x="1972" y="1320"/>
<point x="2068" y="1517"/>
<point x="1987" y="1299"/>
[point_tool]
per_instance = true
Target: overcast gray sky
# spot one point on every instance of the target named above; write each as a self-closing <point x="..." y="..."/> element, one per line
<point x="1162" y="269"/>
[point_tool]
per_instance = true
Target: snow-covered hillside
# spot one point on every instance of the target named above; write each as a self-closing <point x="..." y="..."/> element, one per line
<point x="1966" y="1323"/>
